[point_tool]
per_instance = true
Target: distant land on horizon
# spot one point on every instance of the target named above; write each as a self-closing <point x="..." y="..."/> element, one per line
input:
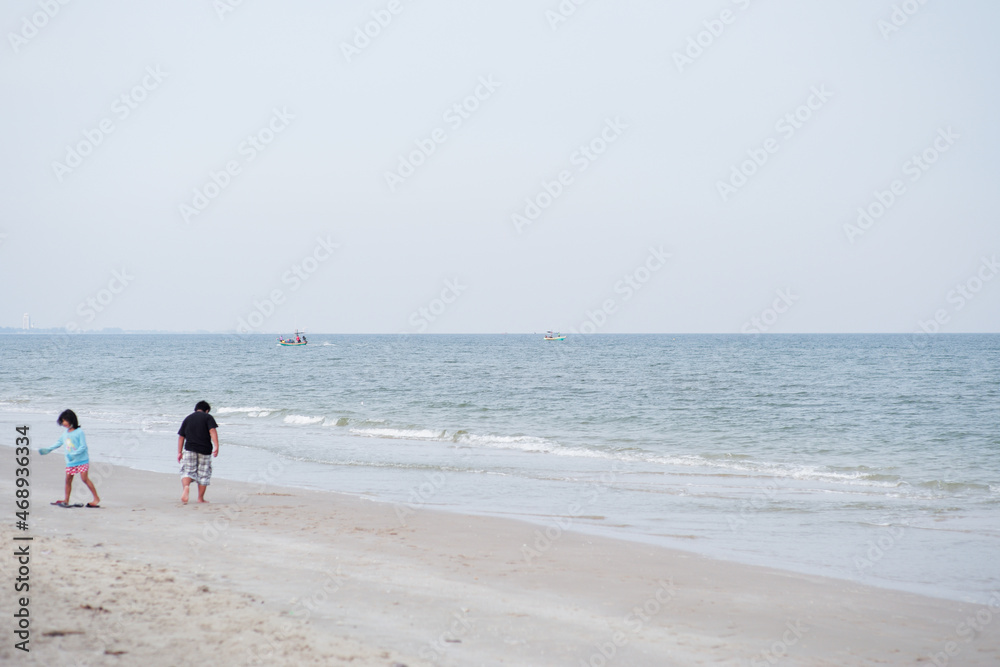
<point x="113" y="331"/>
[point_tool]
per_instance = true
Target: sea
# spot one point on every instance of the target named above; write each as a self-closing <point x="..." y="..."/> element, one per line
<point x="869" y="458"/>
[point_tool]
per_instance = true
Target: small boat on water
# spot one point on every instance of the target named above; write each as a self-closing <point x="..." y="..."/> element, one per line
<point x="552" y="335"/>
<point x="298" y="339"/>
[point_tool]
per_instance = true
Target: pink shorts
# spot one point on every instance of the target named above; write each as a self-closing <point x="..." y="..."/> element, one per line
<point x="76" y="470"/>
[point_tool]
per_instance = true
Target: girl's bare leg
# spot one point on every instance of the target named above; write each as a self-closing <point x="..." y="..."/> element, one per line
<point x="90" y="485"/>
<point x="69" y="487"/>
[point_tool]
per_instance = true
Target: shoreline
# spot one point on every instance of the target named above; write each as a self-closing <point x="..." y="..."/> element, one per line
<point x="338" y="574"/>
<point x="127" y="445"/>
<point x="418" y="490"/>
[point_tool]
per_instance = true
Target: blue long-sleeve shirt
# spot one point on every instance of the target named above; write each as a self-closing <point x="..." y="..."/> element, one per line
<point x="76" y="448"/>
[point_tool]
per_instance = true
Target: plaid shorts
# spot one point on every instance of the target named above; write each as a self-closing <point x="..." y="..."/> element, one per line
<point x="197" y="466"/>
<point x="76" y="470"/>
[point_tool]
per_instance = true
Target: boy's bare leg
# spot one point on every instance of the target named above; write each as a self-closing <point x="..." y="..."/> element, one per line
<point x="90" y="485"/>
<point x="69" y="487"/>
<point x="186" y="481"/>
<point x="201" y="493"/>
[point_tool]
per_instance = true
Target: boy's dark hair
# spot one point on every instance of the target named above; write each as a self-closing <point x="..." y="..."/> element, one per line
<point x="203" y="405"/>
<point x="69" y="416"/>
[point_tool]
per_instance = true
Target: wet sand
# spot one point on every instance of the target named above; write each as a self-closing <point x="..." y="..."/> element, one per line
<point x="274" y="576"/>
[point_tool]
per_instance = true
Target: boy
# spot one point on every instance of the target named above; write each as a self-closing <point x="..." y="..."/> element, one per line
<point x="197" y="443"/>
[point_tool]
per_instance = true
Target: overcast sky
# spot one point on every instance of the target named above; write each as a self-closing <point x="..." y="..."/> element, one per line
<point x="642" y="166"/>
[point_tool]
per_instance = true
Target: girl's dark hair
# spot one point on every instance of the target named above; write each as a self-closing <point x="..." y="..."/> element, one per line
<point x="69" y="416"/>
<point x="203" y="405"/>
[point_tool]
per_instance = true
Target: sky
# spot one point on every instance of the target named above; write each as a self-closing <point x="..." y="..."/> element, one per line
<point x="394" y="166"/>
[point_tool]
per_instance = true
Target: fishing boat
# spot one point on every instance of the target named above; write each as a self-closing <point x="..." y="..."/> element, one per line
<point x="552" y="335"/>
<point x="298" y="339"/>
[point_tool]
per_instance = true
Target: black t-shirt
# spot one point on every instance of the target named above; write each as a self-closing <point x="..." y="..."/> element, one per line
<point x="195" y="429"/>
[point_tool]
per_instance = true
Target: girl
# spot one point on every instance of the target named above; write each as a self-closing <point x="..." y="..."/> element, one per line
<point x="77" y="459"/>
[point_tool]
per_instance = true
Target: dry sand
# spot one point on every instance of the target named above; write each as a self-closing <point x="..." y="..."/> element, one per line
<point x="275" y="576"/>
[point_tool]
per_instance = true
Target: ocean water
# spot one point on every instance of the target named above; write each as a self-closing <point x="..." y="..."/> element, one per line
<point x="868" y="458"/>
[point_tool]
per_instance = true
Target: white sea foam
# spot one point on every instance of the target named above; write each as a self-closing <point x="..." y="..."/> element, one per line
<point x="400" y="433"/>
<point x="523" y="442"/>
<point x="249" y="412"/>
<point x="15" y="400"/>
<point x="302" y="419"/>
<point x="809" y="473"/>
<point x="112" y="416"/>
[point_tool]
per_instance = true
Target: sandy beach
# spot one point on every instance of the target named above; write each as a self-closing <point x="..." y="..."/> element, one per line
<point x="276" y="576"/>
